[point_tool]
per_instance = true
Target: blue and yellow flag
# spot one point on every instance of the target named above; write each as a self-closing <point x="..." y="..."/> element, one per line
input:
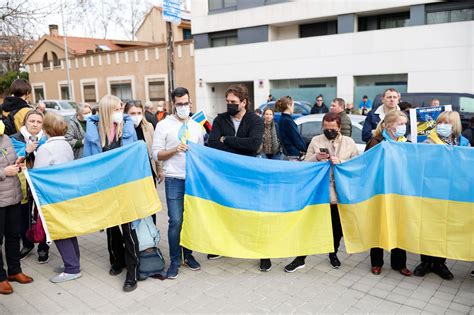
<point x="95" y="192"/>
<point x="418" y="197"/>
<point x="245" y="207"/>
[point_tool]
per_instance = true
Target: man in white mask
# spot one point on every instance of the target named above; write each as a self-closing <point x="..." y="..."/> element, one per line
<point x="170" y="145"/>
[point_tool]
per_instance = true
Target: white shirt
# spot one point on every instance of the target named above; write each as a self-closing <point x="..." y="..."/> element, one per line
<point x="381" y="111"/>
<point x="167" y="136"/>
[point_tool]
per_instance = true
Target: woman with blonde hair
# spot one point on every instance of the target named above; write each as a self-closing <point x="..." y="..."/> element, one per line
<point x="391" y="128"/>
<point x="108" y="130"/>
<point x="55" y="151"/>
<point x="447" y="132"/>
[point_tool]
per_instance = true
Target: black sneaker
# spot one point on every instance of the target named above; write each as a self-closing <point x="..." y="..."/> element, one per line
<point x="213" y="257"/>
<point x="43" y="257"/>
<point x="24" y="252"/>
<point x="422" y="269"/>
<point x="334" y="261"/>
<point x="442" y="271"/>
<point x="472" y="273"/>
<point x="129" y="285"/>
<point x="192" y="263"/>
<point x="295" y="265"/>
<point x="265" y="265"/>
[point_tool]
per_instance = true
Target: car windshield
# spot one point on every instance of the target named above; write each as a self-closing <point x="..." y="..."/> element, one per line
<point x="68" y="105"/>
<point x="466" y="104"/>
<point x="298" y="109"/>
<point x="313" y="128"/>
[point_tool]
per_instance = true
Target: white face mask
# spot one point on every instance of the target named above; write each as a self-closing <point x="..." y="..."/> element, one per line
<point x="182" y="111"/>
<point x="117" y="117"/>
<point x="136" y="120"/>
<point x="87" y="116"/>
<point x="160" y="108"/>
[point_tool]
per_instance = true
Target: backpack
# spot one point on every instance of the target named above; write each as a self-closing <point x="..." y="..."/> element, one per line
<point x="151" y="260"/>
<point x="9" y="122"/>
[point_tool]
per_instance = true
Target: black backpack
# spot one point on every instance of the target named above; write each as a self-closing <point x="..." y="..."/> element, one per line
<point x="9" y="121"/>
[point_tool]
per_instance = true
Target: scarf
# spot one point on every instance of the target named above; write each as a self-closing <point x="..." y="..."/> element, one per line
<point x="436" y="138"/>
<point x="26" y="134"/>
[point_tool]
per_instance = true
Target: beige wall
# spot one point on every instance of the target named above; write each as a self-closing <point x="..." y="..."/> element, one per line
<point x="153" y="29"/>
<point x="96" y="68"/>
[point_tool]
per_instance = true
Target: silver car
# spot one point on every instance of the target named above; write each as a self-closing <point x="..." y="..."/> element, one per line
<point x="311" y="125"/>
<point x="65" y="108"/>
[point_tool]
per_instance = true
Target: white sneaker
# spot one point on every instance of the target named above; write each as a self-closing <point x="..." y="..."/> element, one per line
<point x="63" y="277"/>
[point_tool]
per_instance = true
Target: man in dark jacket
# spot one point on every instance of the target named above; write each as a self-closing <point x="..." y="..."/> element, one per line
<point x="15" y="107"/>
<point x="338" y="106"/>
<point x="390" y="100"/>
<point x="238" y="130"/>
<point x="319" y="107"/>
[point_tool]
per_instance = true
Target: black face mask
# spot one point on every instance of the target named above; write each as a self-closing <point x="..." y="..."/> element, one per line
<point x="233" y="109"/>
<point x="331" y="134"/>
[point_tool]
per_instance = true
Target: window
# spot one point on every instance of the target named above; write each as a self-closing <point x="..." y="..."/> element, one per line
<point x="220" y="39"/>
<point x="51" y="105"/>
<point x="64" y="92"/>
<point x="318" y="29"/>
<point x="156" y="91"/>
<point x="39" y="93"/>
<point x="122" y="90"/>
<point x="56" y="61"/>
<point x="187" y="33"/>
<point x="393" y="20"/>
<point x="89" y="93"/>
<point x="222" y="4"/>
<point x="466" y="104"/>
<point x="450" y="16"/>
<point x="45" y="61"/>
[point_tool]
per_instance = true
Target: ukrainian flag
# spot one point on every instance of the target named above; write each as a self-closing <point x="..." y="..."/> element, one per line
<point x="418" y="197"/>
<point x="95" y="192"/>
<point x="246" y="207"/>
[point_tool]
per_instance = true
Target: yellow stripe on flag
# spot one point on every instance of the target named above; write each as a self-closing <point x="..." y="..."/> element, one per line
<point x="111" y="207"/>
<point x="423" y="225"/>
<point x="222" y="230"/>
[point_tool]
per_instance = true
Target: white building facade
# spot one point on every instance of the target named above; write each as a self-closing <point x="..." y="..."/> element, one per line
<point x="343" y="48"/>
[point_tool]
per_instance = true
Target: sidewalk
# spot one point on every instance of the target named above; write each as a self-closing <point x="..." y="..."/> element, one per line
<point x="237" y="286"/>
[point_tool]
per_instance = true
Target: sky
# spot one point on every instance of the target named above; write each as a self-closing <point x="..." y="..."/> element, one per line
<point x="90" y="24"/>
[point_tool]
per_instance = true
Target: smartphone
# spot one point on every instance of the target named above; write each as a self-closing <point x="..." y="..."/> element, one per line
<point x="20" y="160"/>
<point x="324" y="150"/>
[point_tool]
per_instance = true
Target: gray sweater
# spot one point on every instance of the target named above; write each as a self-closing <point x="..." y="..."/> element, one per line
<point x="55" y="151"/>
<point x="10" y="189"/>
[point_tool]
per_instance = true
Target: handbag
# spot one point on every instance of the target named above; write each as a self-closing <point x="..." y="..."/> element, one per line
<point x="35" y="233"/>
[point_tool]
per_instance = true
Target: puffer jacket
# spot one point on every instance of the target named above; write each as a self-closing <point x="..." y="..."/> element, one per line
<point x="75" y="136"/>
<point x="10" y="189"/>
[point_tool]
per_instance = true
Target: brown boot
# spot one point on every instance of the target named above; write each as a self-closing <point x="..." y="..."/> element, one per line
<point x="5" y="287"/>
<point x="20" y="277"/>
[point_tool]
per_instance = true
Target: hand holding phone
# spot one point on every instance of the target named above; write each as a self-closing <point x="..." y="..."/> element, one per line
<point x="323" y="154"/>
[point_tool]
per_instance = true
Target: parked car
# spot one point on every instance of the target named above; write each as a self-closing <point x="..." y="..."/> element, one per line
<point x="311" y="125"/>
<point x="65" y="108"/>
<point x="301" y="108"/>
<point x="461" y="102"/>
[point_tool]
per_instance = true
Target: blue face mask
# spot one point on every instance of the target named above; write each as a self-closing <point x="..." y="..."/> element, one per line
<point x="444" y="130"/>
<point x="400" y="131"/>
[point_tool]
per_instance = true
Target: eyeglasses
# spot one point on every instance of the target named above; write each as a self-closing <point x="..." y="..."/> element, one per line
<point x="319" y="100"/>
<point x="181" y="104"/>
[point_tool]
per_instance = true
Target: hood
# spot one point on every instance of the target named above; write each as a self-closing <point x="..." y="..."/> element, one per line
<point x="12" y="102"/>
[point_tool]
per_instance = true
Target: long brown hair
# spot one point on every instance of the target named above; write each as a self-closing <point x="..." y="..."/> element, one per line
<point x="283" y="103"/>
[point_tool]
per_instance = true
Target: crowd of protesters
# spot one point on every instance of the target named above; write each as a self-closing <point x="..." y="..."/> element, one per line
<point x="35" y="138"/>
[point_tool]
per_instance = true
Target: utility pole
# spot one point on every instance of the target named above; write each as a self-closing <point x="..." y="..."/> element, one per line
<point x="69" y="87"/>
<point x="170" y="58"/>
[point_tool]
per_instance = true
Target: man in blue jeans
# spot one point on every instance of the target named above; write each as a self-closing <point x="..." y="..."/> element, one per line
<point x="170" y="145"/>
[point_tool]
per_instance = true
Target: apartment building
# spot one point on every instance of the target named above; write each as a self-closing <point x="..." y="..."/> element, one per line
<point x="127" y="69"/>
<point x="346" y="48"/>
